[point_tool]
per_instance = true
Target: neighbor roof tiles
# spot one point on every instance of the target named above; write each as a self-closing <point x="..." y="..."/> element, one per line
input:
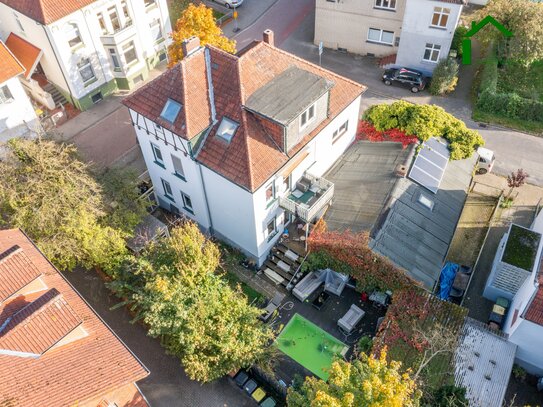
<point x="74" y="373"/>
<point x="9" y="66"/>
<point x="27" y="53"/>
<point x="47" y="11"/>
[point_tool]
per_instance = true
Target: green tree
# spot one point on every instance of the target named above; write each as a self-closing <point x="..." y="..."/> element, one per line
<point x="445" y="77"/>
<point x="198" y="21"/>
<point x="52" y="195"/>
<point x="179" y="295"/>
<point x="368" y="382"/>
<point x="523" y="18"/>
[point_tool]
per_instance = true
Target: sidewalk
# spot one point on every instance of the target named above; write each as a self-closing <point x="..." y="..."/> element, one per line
<point x="248" y="13"/>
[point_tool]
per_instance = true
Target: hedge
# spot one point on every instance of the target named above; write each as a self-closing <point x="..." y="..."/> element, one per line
<point x="445" y="77"/>
<point x="425" y="121"/>
<point x="504" y="104"/>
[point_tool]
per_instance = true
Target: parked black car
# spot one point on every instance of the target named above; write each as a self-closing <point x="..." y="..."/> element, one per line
<point x="409" y="78"/>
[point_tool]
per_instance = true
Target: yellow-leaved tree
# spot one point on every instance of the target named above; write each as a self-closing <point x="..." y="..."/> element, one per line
<point x="366" y="382"/>
<point x="198" y="21"/>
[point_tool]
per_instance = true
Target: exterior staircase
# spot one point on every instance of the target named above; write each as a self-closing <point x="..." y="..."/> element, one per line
<point x="58" y="98"/>
<point x="286" y="267"/>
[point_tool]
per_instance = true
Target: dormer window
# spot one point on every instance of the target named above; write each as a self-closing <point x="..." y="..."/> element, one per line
<point x="227" y="129"/>
<point x="307" y="116"/>
<point x="170" y="111"/>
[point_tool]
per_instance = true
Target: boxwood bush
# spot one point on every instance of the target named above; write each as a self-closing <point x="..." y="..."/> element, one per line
<point x="425" y="121"/>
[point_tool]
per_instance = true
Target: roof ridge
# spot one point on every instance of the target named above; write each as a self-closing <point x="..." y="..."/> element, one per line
<point x="222" y="51"/>
<point x="264" y="44"/>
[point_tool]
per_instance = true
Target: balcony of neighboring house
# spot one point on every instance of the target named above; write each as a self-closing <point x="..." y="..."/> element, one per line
<point x="309" y="199"/>
<point x="118" y="33"/>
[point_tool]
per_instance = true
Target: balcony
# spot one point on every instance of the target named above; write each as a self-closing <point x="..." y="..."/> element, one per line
<point x="120" y="35"/>
<point x="310" y="197"/>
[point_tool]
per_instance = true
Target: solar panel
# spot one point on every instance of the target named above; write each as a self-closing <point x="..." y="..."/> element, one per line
<point x="430" y="164"/>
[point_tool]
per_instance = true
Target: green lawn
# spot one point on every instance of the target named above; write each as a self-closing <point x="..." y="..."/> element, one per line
<point x="524" y="81"/>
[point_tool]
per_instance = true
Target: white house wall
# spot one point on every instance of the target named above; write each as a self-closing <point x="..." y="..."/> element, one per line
<point x="36" y="35"/>
<point x="17" y="117"/>
<point x="191" y="187"/>
<point x="527" y="337"/>
<point x="416" y="32"/>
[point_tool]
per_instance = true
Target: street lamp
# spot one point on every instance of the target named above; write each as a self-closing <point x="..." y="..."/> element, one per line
<point x="235" y="16"/>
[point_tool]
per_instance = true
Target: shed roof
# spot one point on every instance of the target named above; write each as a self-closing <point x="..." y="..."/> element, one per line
<point x="415" y="237"/>
<point x="483" y="363"/>
<point x="9" y="65"/>
<point x="287" y="95"/>
<point x="28" y="54"/>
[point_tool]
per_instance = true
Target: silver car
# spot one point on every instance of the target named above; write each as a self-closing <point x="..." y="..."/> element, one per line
<point x="229" y="3"/>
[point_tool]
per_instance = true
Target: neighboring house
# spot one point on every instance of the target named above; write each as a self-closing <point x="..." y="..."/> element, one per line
<point x="482" y="364"/>
<point x="417" y="223"/>
<point x="88" y="48"/>
<point x="226" y="138"/>
<point x="54" y="349"/>
<point x="517" y="274"/>
<point x="411" y="33"/>
<point x="17" y="115"/>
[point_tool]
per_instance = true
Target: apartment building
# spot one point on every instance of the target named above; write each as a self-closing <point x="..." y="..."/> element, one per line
<point x="230" y="141"/>
<point x="411" y="33"/>
<point x="89" y="48"/>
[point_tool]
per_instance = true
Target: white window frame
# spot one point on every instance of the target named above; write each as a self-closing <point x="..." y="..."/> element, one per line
<point x="5" y="95"/>
<point x="158" y="160"/>
<point x="153" y="25"/>
<point x="308" y="116"/>
<point x="380" y="40"/>
<point x="381" y="4"/>
<point x="149" y="3"/>
<point x="272" y="198"/>
<point x="131" y="46"/>
<point x="115" y="59"/>
<point x="269" y="235"/>
<point x="432" y="48"/>
<point x="441" y="12"/>
<point x="178" y="169"/>
<point x="72" y="33"/>
<point x="85" y="66"/>
<point x="165" y="187"/>
<point x="340" y="131"/>
<point x="113" y="11"/>
<point x="187" y="206"/>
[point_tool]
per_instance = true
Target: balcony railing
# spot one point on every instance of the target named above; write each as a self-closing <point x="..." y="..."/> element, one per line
<point x="311" y="195"/>
<point x="119" y="35"/>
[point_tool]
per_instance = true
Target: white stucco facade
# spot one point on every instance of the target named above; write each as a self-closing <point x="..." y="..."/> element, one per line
<point x="420" y="32"/>
<point x="91" y="52"/>
<point x="229" y="211"/>
<point x="17" y="115"/>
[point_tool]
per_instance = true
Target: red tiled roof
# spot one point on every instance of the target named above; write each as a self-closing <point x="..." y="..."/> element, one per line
<point x="9" y="66"/>
<point x="534" y="312"/>
<point x="27" y="54"/>
<point x="76" y="372"/>
<point x="16" y="271"/>
<point x="47" y="11"/>
<point x="39" y="325"/>
<point x="253" y="155"/>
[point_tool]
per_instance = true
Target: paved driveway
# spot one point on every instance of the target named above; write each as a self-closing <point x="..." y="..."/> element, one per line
<point x="513" y="149"/>
<point x="363" y="178"/>
<point x="167" y="385"/>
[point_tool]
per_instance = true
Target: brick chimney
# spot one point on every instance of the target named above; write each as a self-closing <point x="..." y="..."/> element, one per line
<point x="267" y="35"/>
<point x="190" y="45"/>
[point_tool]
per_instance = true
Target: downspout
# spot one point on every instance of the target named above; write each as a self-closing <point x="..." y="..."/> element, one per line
<point x="59" y="65"/>
<point x="213" y="122"/>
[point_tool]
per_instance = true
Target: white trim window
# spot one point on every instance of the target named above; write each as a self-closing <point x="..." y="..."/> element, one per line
<point x="129" y="52"/>
<point x="380" y="36"/>
<point x="271" y="228"/>
<point x="114" y="18"/>
<point x="73" y="35"/>
<point x="187" y="203"/>
<point x="5" y="95"/>
<point x="115" y="59"/>
<point x="386" y="4"/>
<point x="308" y="116"/>
<point x="158" y="155"/>
<point x="156" y="29"/>
<point x="270" y="193"/>
<point x="440" y="17"/>
<point x="84" y="67"/>
<point x="168" y="193"/>
<point x="178" y="170"/>
<point x="149" y="3"/>
<point x="431" y="52"/>
<point x="340" y="131"/>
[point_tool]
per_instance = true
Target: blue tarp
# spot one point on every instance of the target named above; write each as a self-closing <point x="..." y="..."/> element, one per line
<point x="448" y="272"/>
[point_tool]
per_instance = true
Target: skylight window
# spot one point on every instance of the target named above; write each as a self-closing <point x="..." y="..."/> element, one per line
<point x="427" y="202"/>
<point x="227" y="129"/>
<point x="170" y="111"/>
